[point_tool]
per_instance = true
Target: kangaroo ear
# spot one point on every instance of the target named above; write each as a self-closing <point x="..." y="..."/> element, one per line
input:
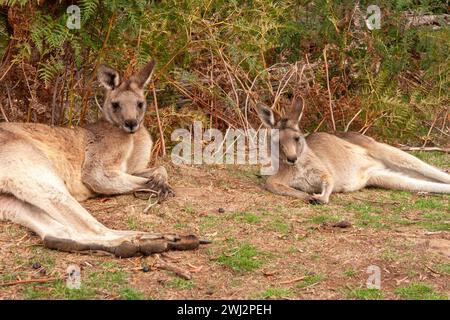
<point x="142" y="78"/>
<point x="296" y="109"/>
<point x="266" y="115"/>
<point x="108" y="77"/>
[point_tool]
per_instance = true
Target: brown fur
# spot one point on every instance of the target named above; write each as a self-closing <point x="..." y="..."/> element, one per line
<point x="313" y="167"/>
<point x="45" y="171"/>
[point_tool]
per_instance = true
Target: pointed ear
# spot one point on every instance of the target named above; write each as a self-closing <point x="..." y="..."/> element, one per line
<point x="108" y="77"/>
<point x="296" y="109"/>
<point x="266" y="115"/>
<point x="142" y="78"/>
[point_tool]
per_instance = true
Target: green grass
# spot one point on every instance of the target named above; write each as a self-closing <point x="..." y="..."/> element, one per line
<point x="350" y="273"/>
<point x="179" y="283"/>
<point x="244" y="258"/>
<point x="419" y="291"/>
<point x="279" y="225"/>
<point x="366" y="214"/>
<point x="443" y="268"/>
<point x="132" y="223"/>
<point x="59" y="290"/>
<point x="438" y="159"/>
<point x="109" y="279"/>
<point x="275" y="293"/>
<point x="130" y="294"/>
<point x="247" y="217"/>
<point x="189" y="208"/>
<point x="322" y="218"/>
<point x="310" y="280"/>
<point x="436" y="221"/>
<point x="364" y="294"/>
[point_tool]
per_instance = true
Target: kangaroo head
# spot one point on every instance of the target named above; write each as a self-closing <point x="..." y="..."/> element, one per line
<point x="125" y="103"/>
<point x="291" y="139"/>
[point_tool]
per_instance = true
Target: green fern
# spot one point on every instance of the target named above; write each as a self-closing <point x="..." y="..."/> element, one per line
<point x="48" y="70"/>
<point x="88" y="9"/>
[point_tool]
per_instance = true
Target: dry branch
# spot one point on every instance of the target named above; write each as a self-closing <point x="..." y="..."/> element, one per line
<point x="164" y="265"/>
<point x="407" y="148"/>
<point x="12" y="283"/>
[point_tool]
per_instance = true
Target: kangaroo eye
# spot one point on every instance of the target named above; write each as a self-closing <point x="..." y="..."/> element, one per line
<point x="116" y="106"/>
<point x="140" y="105"/>
<point x="297" y="139"/>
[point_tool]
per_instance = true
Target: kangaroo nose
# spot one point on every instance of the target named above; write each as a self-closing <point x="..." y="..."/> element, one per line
<point x="291" y="160"/>
<point x="131" y="124"/>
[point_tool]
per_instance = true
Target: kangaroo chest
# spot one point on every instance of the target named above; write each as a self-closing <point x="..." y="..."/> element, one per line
<point x="305" y="179"/>
<point x="137" y="152"/>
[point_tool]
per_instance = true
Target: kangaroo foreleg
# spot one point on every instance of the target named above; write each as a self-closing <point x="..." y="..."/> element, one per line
<point x="285" y="190"/>
<point x="327" y="189"/>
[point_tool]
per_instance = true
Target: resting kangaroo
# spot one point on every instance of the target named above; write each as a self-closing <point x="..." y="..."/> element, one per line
<point x="313" y="167"/>
<point x="45" y="172"/>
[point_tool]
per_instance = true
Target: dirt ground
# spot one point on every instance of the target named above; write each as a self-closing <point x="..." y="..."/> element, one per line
<point x="264" y="246"/>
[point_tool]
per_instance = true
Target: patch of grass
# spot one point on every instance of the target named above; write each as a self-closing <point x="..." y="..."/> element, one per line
<point x="45" y="257"/>
<point x="244" y="258"/>
<point x="132" y="223"/>
<point x="419" y="291"/>
<point x="280" y="226"/>
<point x="428" y="203"/>
<point x="362" y="207"/>
<point x="179" y="283"/>
<point x="310" y="280"/>
<point x="247" y="217"/>
<point x="443" y="268"/>
<point x="130" y="294"/>
<point x="189" y="208"/>
<point x="209" y="222"/>
<point x="275" y="293"/>
<point x="58" y="290"/>
<point x="389" y="255"/>
<point x="364" y="294"/>
<point x="366" y="214"/>
<point x="350" y="273"/>
<point x="436" y="221"/>
<point x="322" y="218"/>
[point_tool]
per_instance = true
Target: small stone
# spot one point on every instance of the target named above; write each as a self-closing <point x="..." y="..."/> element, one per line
<point x="145" y="269"/>
<point x="42" y="272"/>
<point x="221" y="210"/>
<point x="36" y="265"/>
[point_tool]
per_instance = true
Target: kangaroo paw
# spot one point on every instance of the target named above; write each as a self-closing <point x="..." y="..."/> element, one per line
<point x="159" y="184"/>
<point x="319" y="199"/>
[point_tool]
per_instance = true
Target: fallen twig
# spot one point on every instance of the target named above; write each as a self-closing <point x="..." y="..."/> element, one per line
<point x="293" y="280"/>
<point x="12" y="283"/>
<point x="161" y="264"/>
<point x="407" y="148"/>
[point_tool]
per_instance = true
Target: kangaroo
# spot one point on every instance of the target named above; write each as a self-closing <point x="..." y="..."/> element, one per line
<point x="46" y="171"/>
<point x="313" y="167"/>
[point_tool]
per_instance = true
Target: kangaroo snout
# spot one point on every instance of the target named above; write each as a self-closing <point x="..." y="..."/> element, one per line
<point x="131" y="125"/>
<point x="291" y="160"/>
